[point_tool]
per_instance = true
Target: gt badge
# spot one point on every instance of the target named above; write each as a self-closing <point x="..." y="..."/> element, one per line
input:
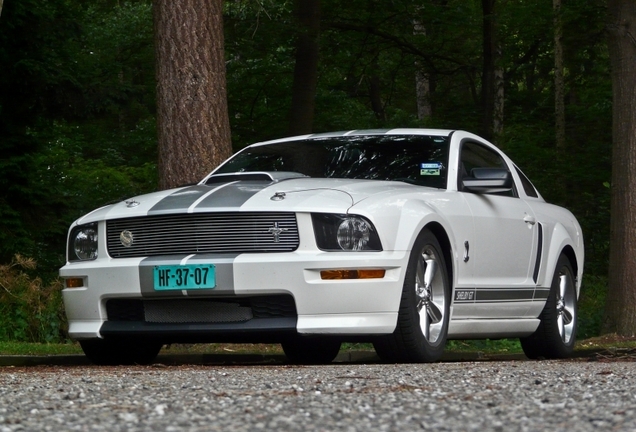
<point x="464" y="295"/>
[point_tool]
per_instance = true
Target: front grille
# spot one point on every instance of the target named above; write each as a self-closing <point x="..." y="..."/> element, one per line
<point x="191" y="311"/>
<point x="237" y="232"/>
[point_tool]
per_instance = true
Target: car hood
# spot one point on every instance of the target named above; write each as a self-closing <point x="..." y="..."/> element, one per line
<point x="298" y="195"/>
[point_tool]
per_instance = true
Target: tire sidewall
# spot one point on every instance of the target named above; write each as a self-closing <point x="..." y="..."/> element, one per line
<point x="563" y="264"/>
<point x="546" y="341"/>
<point x="409" y="300"/>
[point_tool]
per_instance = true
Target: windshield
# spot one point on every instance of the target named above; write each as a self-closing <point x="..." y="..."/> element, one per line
<point x="416" y="159"/>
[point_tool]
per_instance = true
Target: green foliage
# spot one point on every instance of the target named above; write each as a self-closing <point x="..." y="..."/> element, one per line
<point x="591" y="306"/>
<point x="260" y="65"/>
<point x="77" y="126"/>
<point x="576" y="180"/>
<point x="77" y="100"/>
<point x="509" y="346"/>
<point x="39" y="349"/>
<point x="30" y="311"/>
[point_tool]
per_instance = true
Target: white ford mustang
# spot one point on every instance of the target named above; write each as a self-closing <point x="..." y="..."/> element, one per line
<point x="404" y="238"/>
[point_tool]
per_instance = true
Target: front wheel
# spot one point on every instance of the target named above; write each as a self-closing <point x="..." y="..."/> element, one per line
<point x="556" y="334"/>
<point x="422" y="327"/>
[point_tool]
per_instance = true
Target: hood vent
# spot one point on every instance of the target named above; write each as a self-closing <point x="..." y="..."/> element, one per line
<point x="268" y="176"/>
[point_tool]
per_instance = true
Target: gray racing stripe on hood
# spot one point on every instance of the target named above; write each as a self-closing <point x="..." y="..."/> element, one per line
<point x="233" y="194"/>
<point x="180" y="200"/>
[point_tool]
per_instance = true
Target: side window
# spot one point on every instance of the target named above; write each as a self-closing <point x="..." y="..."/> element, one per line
<point x="477" y="156"/>
<point x="527" y="185"/>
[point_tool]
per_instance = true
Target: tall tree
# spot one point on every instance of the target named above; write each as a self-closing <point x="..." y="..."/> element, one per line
<point x="559" y="83"/>
<point x="621" y="303"/>
<point x="422" y="81"/>
<point x="488" y="84"/>
<point x="192" y="115"/>
<point x="301" y="118"/>
<point x="499" y="96"/>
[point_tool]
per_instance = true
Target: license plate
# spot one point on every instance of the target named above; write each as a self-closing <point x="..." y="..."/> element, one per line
<point x="182" y="277"/>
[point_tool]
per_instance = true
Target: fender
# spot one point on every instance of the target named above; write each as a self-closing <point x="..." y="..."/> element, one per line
<point x="402" y="219"/>
<point x="405" y="221"/>
<point x="415" y="216"/>
<point x="558" y="241"/>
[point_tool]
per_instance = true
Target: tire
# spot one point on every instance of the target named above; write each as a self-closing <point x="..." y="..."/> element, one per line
<point x="120" y="352"/>
<point x="422" y="326"/>
<point x="311" y="350"/>
<point x="556" y="334"/>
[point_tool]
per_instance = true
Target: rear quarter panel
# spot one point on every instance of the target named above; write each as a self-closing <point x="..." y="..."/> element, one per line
<point x="561" y="229"/>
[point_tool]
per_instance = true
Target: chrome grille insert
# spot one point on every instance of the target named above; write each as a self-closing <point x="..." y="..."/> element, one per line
<point x="235" y="232"/>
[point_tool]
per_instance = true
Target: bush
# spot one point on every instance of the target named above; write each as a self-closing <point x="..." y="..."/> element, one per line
<point x="591" y="306"/>
<point x="30" y="311"/>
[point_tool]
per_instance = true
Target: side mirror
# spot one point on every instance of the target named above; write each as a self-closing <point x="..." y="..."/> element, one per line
<point x="488" y="180"/>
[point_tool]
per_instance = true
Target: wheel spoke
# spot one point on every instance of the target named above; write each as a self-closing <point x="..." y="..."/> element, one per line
<point x="563" y="284"/>
<point x="425" y="324"/>
<point x="567" y="316"/>
<point x="419" y="273"/>
<point x="434" y="312"/>
<point x="431" y="270"/>
<point x="561" y="326"/>
<point x="420" y="305"/>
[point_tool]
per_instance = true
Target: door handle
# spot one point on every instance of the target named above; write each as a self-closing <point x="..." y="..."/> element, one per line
<point x="529" y="219"/>
<point x="466" y="249"/>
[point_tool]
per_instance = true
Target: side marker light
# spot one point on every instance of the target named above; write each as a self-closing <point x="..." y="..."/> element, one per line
<point x="74" y="282"/>
<point x="352" y="274"/>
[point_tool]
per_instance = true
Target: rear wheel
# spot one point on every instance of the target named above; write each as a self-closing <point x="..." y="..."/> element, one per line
<point x="311" y="350"/>
<point x="556" y="334"/>
<point x="120" y="352"/>
<point x="422" y="327"/>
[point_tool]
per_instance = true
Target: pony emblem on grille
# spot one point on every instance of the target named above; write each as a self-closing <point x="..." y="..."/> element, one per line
<point x="276" y="231"/>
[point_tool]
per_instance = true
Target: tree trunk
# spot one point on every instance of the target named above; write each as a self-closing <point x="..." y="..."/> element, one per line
<point x="422" y="81"/>
<point x="423" y="94"/>
<point x="488" y="74"/>
<point x="621" y="298"/>
<point x="192" y="117"/>
<point x="301" y="117"/>
<point x="559" y="84"/>
<point x="375" y="92"/>
<point x="499" y="98"/>
<point x="1" y="2"/>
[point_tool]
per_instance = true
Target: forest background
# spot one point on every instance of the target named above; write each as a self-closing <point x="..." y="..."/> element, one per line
<point x="78" y="110"/>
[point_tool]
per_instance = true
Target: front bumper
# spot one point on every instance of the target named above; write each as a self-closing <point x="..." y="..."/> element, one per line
<point x="349" y="308"/>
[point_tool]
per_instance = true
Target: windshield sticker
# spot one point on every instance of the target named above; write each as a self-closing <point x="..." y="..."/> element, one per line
<point x="430" y="169"/>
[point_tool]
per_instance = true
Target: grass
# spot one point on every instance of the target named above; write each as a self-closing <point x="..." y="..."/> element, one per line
<point x="503" y="346"/>
<point x="27" y="348"/>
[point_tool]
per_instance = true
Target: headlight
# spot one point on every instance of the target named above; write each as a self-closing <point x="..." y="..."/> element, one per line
<point x="82" y="243"/>
<point x="345" y="232"/>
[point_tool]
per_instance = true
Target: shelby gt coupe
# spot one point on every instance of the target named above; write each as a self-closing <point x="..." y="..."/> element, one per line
<point x="403" y="238"/>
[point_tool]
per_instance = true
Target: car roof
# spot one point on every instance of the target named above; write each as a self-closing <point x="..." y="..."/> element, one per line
<point x="357" y="132"/>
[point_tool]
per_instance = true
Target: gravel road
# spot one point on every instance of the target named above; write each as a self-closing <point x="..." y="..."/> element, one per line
<point x="483" y="396"/>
